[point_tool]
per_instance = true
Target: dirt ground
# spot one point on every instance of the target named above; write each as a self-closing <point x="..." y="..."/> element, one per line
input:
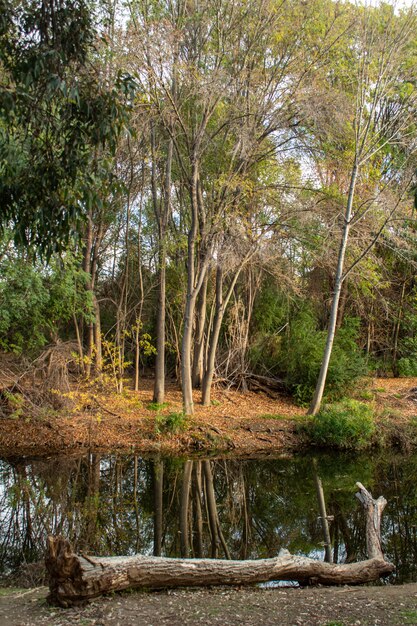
<point x="370" y="606"/>
<point x="244" y="424"/>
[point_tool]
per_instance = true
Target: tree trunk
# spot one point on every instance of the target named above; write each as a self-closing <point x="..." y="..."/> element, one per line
<point x="318" y="393"/>
<point x="198" y="356"/>
<point x="214" y="339"/>
<point x="75" y="578"/>
<point x="97" y="336"/>
<point x="89" y="287"/>
<point x="221" y="305"/>
<point x="79" y="344"/>
<point x="162" y="216"/>
<point x="194" y="284"/>
<point x="397" y="328"/>
<point x="159" y="386"/>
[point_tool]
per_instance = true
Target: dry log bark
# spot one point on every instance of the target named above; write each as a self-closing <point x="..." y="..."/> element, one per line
<point x="76" y="578"/>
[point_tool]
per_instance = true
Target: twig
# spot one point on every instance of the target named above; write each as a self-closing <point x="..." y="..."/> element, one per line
<point x="103" y="408"/>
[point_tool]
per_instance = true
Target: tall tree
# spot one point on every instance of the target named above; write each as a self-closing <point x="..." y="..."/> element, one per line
<point x="379" y="112"/>
<point x="55" y="111"/>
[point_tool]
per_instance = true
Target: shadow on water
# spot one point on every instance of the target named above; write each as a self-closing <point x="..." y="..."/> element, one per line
<point x="114" y="504"/>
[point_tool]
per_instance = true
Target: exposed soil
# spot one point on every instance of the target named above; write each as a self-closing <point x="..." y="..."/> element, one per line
<point x="371" y="606"/>
<point x="245" y="424"/>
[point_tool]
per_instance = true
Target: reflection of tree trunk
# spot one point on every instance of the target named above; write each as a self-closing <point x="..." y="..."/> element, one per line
<point x="213" y="517"/>
<point x="185" y="497"/>
<point x="135" y="499"/>
<point x="344" y="530"/>
<point x="211" y="508"/>
<point x="158" y="485"/>
<point x="198" y="516"/>
<point x="335" y="541"/>
<point x="246" y="532"/>
<point x="92" y="500"/>
<point x="323" y="517"/>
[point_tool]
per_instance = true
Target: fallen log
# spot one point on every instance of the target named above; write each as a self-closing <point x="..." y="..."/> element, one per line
<point x="75" y="579"/>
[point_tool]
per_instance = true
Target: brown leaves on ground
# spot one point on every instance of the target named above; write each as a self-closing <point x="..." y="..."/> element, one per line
<point x="245" y="423"/>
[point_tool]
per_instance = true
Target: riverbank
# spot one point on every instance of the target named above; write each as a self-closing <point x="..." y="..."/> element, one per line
<point x="342" y="606"/>
<point x="244" y="424"/>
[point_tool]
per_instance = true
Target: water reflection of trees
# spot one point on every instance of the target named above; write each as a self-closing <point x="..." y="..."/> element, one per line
<point x="217" y="508"/>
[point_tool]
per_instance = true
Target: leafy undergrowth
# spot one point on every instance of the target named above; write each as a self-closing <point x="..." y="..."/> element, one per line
<point x="347" y="424"/>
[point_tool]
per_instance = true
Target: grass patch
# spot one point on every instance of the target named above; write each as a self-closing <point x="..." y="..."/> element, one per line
<point x="366" y="395"/>
<point x="156" y="406"/>
<point x="10" y="591"/>
<point x="409" y="617"/>
<point x="347" y="424"/>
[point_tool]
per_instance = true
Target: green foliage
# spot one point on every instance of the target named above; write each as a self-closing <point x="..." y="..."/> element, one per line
<point x="36" y="302"/>
<point x="409" y="616"/>
<point x="407" y="363"/>
<point x="157" y="406"/>
<point x="302" y="354"/>
<point x="289" y="344"/>
<point x="345" y="424"/>
<point x="55" y="117"/>
<point x="407" y="366"/>
<point x="171" y="423"/>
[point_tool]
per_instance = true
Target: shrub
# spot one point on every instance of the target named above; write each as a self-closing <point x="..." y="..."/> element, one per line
<point x="302" y="355"/>
<point x="407" y="367"/>
<point x="171" y="423"/>
<point x="344" y="424"/>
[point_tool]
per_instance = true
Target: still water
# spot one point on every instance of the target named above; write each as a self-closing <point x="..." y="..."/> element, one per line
<point x="119" y="504"/>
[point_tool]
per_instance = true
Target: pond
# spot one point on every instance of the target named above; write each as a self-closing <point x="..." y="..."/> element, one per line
<point x="226" y="508"/>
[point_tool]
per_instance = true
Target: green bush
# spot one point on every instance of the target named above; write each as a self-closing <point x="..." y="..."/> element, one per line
<point x="303" y="351"/>
<point x="171" y="423"/>
<point x="344" y="424"/>
<point x="407" y="366"/>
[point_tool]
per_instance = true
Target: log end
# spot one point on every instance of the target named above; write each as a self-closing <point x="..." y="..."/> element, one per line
<point x="62" y="566"/>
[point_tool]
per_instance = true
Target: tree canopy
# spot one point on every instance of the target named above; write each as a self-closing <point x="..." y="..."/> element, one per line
<point x="228" y="186"/>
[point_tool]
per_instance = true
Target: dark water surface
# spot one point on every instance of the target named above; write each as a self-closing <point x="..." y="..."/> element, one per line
<point x="119" y="504"/>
